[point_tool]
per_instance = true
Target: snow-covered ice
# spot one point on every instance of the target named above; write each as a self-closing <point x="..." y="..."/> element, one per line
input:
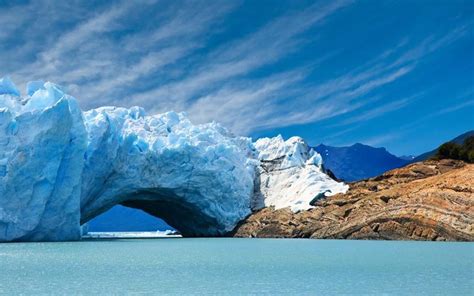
<point x="60" y="167"/>
<point x="290" y="174"/>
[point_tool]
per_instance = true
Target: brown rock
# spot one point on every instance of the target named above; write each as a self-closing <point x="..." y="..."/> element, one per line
<point x="432" y="200"/>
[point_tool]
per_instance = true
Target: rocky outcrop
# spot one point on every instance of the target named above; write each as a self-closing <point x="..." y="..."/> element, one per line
<point x="432" y="200"/>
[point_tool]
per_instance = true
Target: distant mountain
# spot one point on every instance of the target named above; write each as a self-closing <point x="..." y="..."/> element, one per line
<point x="458" y="140"/>
<point x="357" y="162"/>
<point x="120" y="218"/>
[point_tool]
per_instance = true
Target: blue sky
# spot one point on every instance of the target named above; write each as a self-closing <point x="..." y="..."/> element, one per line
<point x="397" y="74"/>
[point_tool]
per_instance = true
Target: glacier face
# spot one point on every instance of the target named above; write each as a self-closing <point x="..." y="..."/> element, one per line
<point x="41" y="161"/>
<point x="60" y="167"/>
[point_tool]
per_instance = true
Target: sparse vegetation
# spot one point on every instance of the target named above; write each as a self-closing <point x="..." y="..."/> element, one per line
<point x="452" y="150"/>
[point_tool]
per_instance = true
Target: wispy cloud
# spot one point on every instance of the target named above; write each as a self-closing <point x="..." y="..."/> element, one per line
<point x="170" y="56"/>
<point x="381" y="110"/>
<point x="235" y="59"/>
<point x="97" y="65"/>
<point x="389" y="136"/>
<point x="380" y="140"/>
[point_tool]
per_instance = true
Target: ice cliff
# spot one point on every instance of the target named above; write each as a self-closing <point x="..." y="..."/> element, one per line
<point x="60" y="167"/>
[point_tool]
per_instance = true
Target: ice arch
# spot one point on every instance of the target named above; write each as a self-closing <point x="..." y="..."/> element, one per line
<point x="60" y="167"/>
<point x="199" y="179"/>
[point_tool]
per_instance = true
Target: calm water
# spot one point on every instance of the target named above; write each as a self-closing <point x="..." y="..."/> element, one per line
<point x="237" y="266"/>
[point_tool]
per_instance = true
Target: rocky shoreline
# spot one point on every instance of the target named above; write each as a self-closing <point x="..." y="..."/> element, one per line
<point x="431" y="200"/>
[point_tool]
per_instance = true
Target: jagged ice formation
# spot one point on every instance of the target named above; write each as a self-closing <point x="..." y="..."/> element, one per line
<point x="61" y="167"/>
<point x="290" y="174"/>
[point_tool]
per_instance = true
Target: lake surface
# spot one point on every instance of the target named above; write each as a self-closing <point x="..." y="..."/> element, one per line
<point x="237" y="266"/>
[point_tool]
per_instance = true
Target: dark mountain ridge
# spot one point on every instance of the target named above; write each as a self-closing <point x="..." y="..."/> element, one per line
<point x="359" y="161"/>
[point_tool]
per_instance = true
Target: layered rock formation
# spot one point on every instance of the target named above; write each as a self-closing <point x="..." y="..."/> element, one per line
<point x="432" y="200"/>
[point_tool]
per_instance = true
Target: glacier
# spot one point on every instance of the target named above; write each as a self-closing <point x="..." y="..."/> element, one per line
<point x="61" y="166"/>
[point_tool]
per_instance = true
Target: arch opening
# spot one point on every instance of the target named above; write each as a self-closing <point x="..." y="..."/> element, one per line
<point x="122" y="219"/>
<point x="186" y="217"/>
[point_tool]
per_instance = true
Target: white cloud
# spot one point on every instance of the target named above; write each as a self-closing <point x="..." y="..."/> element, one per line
<point x="235" y="59"/>
<point x="165" y="61"/>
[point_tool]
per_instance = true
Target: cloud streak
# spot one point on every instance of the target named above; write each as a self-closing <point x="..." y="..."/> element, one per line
<point x="172" y="56"/>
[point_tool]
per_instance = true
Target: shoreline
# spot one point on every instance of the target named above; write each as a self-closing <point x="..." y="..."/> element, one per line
<point x="130" y="235"/>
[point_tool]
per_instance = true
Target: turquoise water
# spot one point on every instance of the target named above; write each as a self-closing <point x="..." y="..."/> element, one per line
<point x="237" y="266"/>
